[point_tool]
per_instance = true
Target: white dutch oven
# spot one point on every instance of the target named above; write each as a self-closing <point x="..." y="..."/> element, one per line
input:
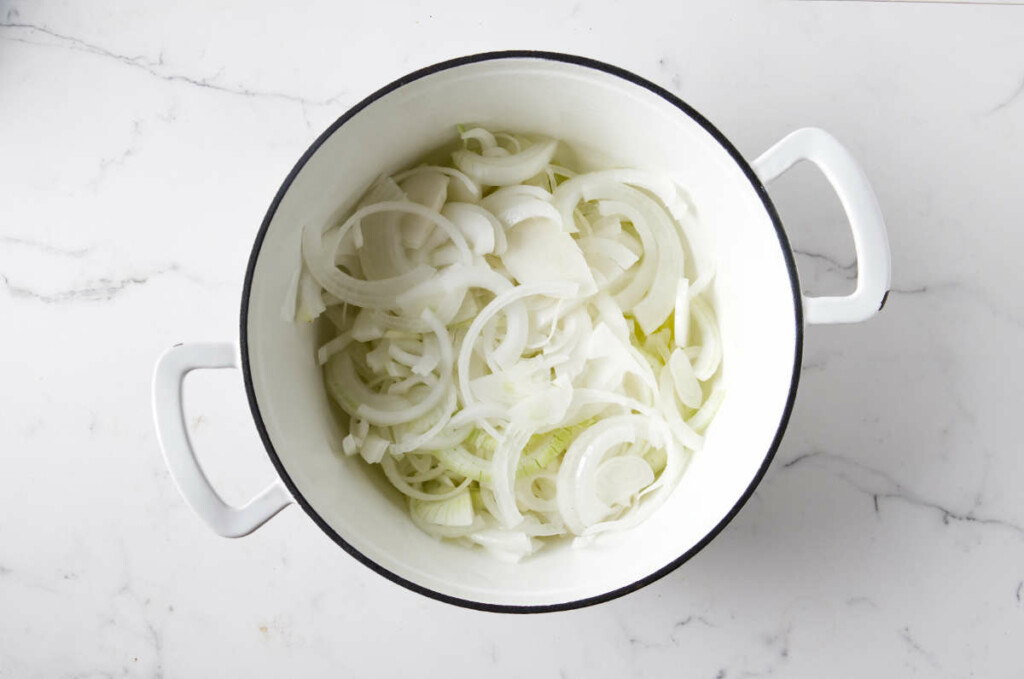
<point x="619" y="119"/>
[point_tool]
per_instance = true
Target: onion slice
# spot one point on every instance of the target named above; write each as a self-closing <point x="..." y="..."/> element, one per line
<point x="510" y="169"/>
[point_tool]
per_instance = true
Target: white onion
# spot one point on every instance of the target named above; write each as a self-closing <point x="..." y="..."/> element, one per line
<point x="684" y="379"/>
<point x="518" y="359"/>
<point x="512" y="205"/>
<point x="510" y="169"/>
<point x="711" y="341"/>
<point x="503" y="474"/>
<point x="462" y="188"/>
<point x="503" y="300"/>
<point x="658" y="300"/>
<point x="571" y="192"/>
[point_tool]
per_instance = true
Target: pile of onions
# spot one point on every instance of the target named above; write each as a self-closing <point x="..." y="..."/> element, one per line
<point x="527" y="352"/>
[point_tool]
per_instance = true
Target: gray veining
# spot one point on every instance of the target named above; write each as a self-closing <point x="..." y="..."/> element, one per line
<point x="141" y="144"/>
<point x="32" y="34"/>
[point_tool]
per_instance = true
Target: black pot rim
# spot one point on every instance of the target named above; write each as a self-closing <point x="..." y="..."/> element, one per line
<point x="758" y="187"/>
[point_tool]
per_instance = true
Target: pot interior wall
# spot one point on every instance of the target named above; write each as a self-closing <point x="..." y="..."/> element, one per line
<point x="616" y="123"/>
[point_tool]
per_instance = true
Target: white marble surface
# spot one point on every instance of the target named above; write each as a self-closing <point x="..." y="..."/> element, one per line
<point x="140" y="144"/>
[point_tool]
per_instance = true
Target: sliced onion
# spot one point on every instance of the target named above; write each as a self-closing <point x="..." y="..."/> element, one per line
<point x="667" y="405"/>
<point x="357" y="399"/>
<point x="526" y="497"/>
<point x="456" y="510"/>
<point x="373" y="323"/>
<point x="711" y="341"/>
<point x="643" y="275"/>
<point x="503" y="474"/>
<point x="683" y="433"/>
<point x="464" y="463"/>
<point x="658" y="301"/>
<point x="505" y="396"/>
<point x="511" y="142"/>
<point x="462" y="188"/>
<point x="620" y="479"/>
<point x="373" y="294"/>
<point x="505" y="545"/>
<point x="702" y="418"/>
<point x="539" y="251"/>
<point x="578" y="502"/>
<point x="656" y="494"/>
<point x="681" y="315"/>
<point x="333" y="346"/>
<point x="477" y="225"/>
<point x="424" y="213"/>
<point x="399" y="482"/>
<point x="382" y="255"/>
<point x="609" y="249"/>
<point x="437" y="531"/>
<point x="422" y="441"/>
<point x="310" y="300"/>
<point x="373" y="448"/>
<point x="513" y="204"/>
<point x="500" y="242"/>
<point x="450" y="280"/>
<point x="569" y="193"/>
<point x="610" y="227"/>
<point x="604" y="343"/>
<point x="685" y="381"/>
<point x="511" y="169"/>
<point x="500" y="302"/>
<point x="483" y="136"/>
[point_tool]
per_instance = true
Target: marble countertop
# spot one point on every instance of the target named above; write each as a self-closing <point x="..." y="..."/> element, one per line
<point x="140" y="144"/>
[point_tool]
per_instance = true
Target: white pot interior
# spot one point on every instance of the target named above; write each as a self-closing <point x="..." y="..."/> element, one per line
<point x="617" y="123"/>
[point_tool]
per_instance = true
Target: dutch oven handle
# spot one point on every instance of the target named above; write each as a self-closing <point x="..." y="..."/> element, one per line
<point x="862" y="211"/>
<point x="181" y="460"/>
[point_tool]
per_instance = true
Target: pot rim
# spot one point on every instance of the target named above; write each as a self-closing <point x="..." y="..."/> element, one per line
<point x="685" y="108"/>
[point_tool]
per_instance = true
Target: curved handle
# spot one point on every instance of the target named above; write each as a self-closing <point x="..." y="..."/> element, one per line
<point x="861" y="206"/>
<point x="181" y="460"/>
